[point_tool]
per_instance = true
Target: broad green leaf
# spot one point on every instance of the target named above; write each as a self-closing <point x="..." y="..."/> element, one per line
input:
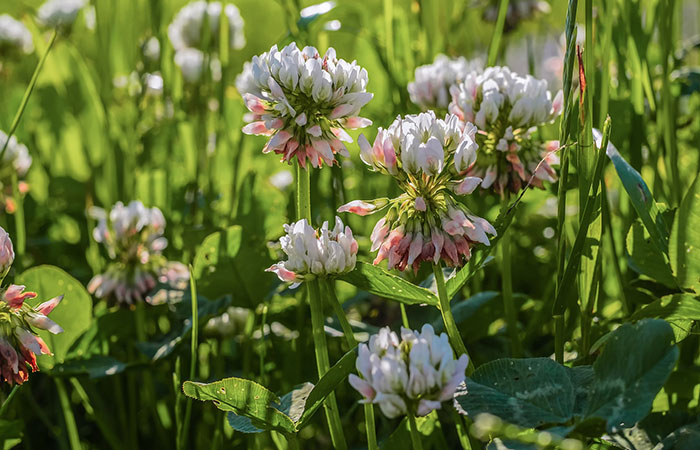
<point x="525" y="392"/>
<point x="95" y="367"/>
<point x="686" y="437"/>
<point x="327" y="384"/>
<point x="509" y="444"/>
<point x="378" y="281"/>
<point x="245" y="398"/>
<point x="633" y="366"/>
<point x="74" y="313"/>
<point x="11" y="429"/>
<point x="241" y="423"/>
<point x="646" y="258"/>
<point x="685" y="240"/>
<point x="642" y="200"/>
<point x="679" y="310"/>
<point x="581" y="379"/>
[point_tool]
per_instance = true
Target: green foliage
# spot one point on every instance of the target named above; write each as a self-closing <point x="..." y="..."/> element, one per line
<point x="685" y="240"/>
<point x="377" y="281"/>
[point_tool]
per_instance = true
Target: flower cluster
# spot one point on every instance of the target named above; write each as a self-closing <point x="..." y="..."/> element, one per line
<point x="506" y="107"/>
<point x="19" y="344"/>
<point x="15" y="38"/>
<point x="59" y="13"/>
<point x="431" y="88"/>
<point x="186" y="34"/>
<point x="312" y="253"/>
<point x="16" y="160"/>
<point x="413" y="375"/>
<point x="133" y="237"/>
<point x="428" y="157"/>
<point x="304" y="102"/>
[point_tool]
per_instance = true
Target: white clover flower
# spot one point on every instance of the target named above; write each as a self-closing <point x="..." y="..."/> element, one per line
<point x="304" y="102"/>
<point x="186" y="29"/>
<point x="282" y="179"/>
<point x="429" y="158"/>
<point x="431" y="88"/>
<point x="59" y="13"/>
<point x="415" y="374"/>
<point x="14" y="36"/>
<point x="507" y="108"/>
<point x="312" y="253"/>
<point x="16" y="154"/>
<point x="7" y="253"/>
<point x="151" y="49"/>
<point x="133" y="237"/>
<point x="191" y="63"/>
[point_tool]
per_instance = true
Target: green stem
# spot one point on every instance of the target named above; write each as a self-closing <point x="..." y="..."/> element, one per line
<point x="20" y="231"/>
<point x="559" y="325"/>
<point x="497" y="32"/>
<point x="303" y="194"/>
<point x="404" y="316"/>
<point x="323" y="363"/>
<point x="448" y="319"/>
<point x="352" y="343"/>
<point x="462" y="432"/>
<point x="507" y="287"/>
<point x="71" y="427"/>
<point x="182" y="443"/>
<point x="415" y="435"/>
<point x="99" y="419"/>
<point x="27" y="94"/>
<point x="8" y="400"/>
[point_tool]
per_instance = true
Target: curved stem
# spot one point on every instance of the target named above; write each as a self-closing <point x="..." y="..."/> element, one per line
<point x="415" y="435"/>
<point x="323" y="363"/>
<point x="27" y="94"/>
<point x="352" y="343"/>
<point x="448" y="319"/>
<point x="71" y="427"/>
<point x="8" y="400"/>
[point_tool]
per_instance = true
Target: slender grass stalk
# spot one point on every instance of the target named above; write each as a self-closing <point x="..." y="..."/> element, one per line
<point x="20" y="230"/>
<point x="263" y="351"/>
<point x="71" y="427"/>
<point x="8" y="400"/>
<point x="415" y="435"/>
<point x="27" y="94"/>
<point x="507" y="290"/>
<point x="182" y="442"/>
<point x="462" y="428"/>
<point x="323" y="363"/>
<point x="99" y="419"/>
<point x="404" y="316"/>
<point x="448" y="319"/>
<point x="497" y="32"/>
<point x="352" y="343"/>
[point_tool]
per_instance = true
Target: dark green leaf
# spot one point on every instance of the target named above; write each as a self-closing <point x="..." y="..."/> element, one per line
<point x="646" y="258"/>
<point x="378" y="281"/>
<point x="11" y="429"/>
<point x="633" y="366"/>
<point x="466" y="308"/>
<point x="95" y="367"/>
<point x="241" y="423"/>
<point x="679" y="310"/>
<point x="526" y="392"/>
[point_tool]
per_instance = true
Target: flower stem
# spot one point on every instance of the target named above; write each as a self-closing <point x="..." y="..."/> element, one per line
<point x="20" y="232"/>
<point x="303" y="194"/>
<point x="415" y="435"/>
<point x="507" y="292"/>
<point x="8" y="400"/>
<point x="71" y="427"/>
<point x="27" y="94"/>
<point x="352" y="343"/>
<point x="497" y="32"/>
<point x="193" y="359"/>
<point x="323" y="364"/>
<point x="404" y="316"/>
<point x="448" y="319"/>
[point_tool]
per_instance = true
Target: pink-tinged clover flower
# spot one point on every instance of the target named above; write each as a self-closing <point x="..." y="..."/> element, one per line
<point x="133" y="237"/>
<point x="415" y="374"/>
<point x="19" y="344"/>
<point x="429" y="158"/>
<point x="304" y="102"/>
<point x="16" y="159"/>
<point x="431" y="87"/>
<point x="507" y="108"/>
<point x="311" y="253"/>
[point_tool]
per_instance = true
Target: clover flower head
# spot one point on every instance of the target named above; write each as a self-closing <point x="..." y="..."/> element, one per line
<point x="15" y="38"/>
<point x="431" y="88"/>
<point x="185" y="31"/>
<point x="311" y="253"/>
<point x="429" y="158"/>
<point x="133" y="237"/>
<point x="17" y="160"/>
<point x="414" y="374"/>
<point x="304" y="102"/>
<point x="59" y="13"/>
<point x="191" y="63"/>
<point x="19" y="344"/>
<point x="507" y="108"/>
